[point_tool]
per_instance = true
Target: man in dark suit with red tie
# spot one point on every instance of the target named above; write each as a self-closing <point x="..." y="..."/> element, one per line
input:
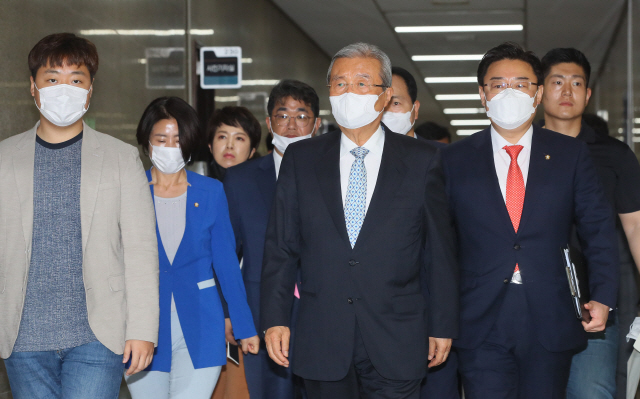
<point x="515" y="191"/>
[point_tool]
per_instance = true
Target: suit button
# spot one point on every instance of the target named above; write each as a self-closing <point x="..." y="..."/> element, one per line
<point x="352" y="262"/>
<point x="350" y="301"/>
<point x="506" y="281"/>
<point x="516" y="247"/>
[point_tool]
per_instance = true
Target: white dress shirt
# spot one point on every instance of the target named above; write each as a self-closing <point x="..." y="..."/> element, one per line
<point x="375" y="145"/>
<point x="277" y="160"/>
<point x="502" y="160"/>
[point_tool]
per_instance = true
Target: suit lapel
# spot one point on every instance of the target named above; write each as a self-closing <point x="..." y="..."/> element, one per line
<point x="266" y="179"/>
<point x="328" y="173"/>
<point x="390" y="178"/>
<point x="23" y="159"/>
<point x="487" y="163"/>
<point x="537" y="175"/>
<point x="91" y="172"/>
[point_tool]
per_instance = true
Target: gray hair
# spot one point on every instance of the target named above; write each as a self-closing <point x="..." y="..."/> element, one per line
<point x="364" y="50"/>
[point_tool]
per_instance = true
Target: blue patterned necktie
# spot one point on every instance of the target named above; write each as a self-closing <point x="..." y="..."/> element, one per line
<point x="356" y="201"/>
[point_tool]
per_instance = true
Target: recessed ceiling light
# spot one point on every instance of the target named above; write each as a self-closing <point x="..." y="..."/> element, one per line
<point x="451" y="97"/>
<point x="450" y="111"/>
<point x="144" y="32"/>
<point x="260" y="82"/>
<point x="470" y="122"/>
<point x="452" y="79"/>
<point x="453" y="57"/>
<point x="466" y="132"/>
<point x="227" y="99"/>
<point x="459" y="28"/>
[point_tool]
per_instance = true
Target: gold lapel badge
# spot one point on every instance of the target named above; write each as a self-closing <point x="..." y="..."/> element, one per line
<point x="197" y="205"/>
<point x="547" y="157"/>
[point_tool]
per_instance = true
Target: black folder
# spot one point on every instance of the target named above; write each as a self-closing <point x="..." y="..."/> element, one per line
<point x="576" y="269"/>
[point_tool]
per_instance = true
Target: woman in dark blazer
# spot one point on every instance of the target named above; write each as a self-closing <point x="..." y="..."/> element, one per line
<point x="194" y="238"/>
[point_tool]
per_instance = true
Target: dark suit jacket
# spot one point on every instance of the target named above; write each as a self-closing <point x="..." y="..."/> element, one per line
<point x="250" y="188"/>
<point x="560" y="191"/>
<point x="377" y="282"/>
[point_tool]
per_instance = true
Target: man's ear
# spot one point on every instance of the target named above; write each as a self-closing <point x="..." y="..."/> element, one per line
<point x="586" y="101"/>
<point x="539" y="94"/>
<point x="318" y="123"/>
<point x="416" y="107"/>
<point x="268" y="122"/>
<point x="483" y="98"/>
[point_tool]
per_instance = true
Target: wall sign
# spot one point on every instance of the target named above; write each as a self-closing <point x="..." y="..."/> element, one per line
<point x="220" y="67"/>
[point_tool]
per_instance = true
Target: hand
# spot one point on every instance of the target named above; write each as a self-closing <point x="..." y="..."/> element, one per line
<point x="599" y="315"/>
<point x="141" y="354"/>
<point x="439" y="349"/>
<point x="228" y="332"/>
<point x="277" y="340"/>
<point x="251" y="344"/>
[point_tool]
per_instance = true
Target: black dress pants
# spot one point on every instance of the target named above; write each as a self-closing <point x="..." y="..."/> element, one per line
<point x="362" y="381"/>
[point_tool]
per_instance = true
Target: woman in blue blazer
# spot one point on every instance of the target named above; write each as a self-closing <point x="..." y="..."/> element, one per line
<point x="194" y="238"/>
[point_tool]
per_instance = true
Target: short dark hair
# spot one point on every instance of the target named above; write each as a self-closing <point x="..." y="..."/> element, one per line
<point x="171" y="108"/>
<point x="432" y="131"/>
<point x="509" y="51"/>
<point x="561" y="55"/>
<point x="297" y="90"/>
<point x="409" y="80"/>
<point x="235" y="116"/>
<point x="60" y="49"/>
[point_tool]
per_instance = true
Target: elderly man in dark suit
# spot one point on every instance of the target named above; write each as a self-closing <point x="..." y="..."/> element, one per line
<point x="362" y="210"/>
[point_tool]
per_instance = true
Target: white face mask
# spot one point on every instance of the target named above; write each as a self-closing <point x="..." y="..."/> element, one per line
<point x="398" y="122"/>
<point x="281" y="142"/>
<point x="511" y="108"/>
<point x="353" y="111"/>
<point x="62" y="104"/>
<point x="167" y="160"/>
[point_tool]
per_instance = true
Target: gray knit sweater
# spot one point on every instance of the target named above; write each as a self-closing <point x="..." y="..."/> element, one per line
<point x="55" y="308"/>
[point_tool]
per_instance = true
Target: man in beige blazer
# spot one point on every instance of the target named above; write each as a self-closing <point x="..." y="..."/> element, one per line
<point x="78" y="247"/>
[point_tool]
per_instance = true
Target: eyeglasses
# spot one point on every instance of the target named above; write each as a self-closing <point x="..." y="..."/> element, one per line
<point x="362" y="86"/>
<point x="497" y="86"/>
<point x="302" y="120"/>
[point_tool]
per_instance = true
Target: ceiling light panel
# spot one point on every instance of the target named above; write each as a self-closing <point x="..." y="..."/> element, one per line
<point x="470" y="122"/>
<point x="459" y="28"/>
<point x="452" y="57"/>
<point x="457" y="97"/>
<point x="452" y="79"/>
<point x="459" y="111"/>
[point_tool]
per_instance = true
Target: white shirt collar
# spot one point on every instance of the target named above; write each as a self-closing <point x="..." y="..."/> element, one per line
<point x="277" y="160"/>
<point x="498" y="142"/>
<point x="375" y="144"/>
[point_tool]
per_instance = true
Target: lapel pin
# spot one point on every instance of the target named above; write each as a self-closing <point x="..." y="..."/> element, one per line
<point x="547" y="157"/>
<point x="196" y="205"/>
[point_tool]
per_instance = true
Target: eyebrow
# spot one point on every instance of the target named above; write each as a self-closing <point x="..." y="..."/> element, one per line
<point x="57" y="72"/>
<point x="555" y="75"/>
<point x="286" y="109"/>
<point x="501" y="78"/>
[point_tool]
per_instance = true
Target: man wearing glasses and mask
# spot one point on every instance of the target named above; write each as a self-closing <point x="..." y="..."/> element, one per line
<point x="515" y="192"/>
<point x="361" y="210"/>
<point x="293" y="109"/>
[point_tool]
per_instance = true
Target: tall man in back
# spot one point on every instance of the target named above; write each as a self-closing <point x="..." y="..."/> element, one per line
<point x="293" y="109"/>
<point x="361" y="209"/>
<point x="515" y="192"/>
<point x="566" y="80"/>
<point x="78" y="249"/>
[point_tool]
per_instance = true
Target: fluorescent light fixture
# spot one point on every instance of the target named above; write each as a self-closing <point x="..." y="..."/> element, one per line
<point x="635" y="130"/>
<point x="260" y="82"/>
<point x="453" y="57"/>
<point x="247" y="60"/>
<point x="144" y="32"/>
<point x="142" y="60"/>
<point x="228" y="99"/>
<point x="451" y="111"/>
<point x="466" y="132"/>
<point x="452" y="79"/>
<point x="637" y="120"/>
<point x="459" y="28"/>
<point x="452" y="97"/>
<point x="325" y="112"/>
<point x="470" y="122"/>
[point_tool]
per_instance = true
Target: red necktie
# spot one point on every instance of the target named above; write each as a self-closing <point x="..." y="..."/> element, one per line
<point x="515" y="187"/>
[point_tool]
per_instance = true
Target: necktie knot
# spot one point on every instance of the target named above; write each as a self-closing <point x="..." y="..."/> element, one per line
<point x="359" y="152"/>
<point x="513" y="150"/>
